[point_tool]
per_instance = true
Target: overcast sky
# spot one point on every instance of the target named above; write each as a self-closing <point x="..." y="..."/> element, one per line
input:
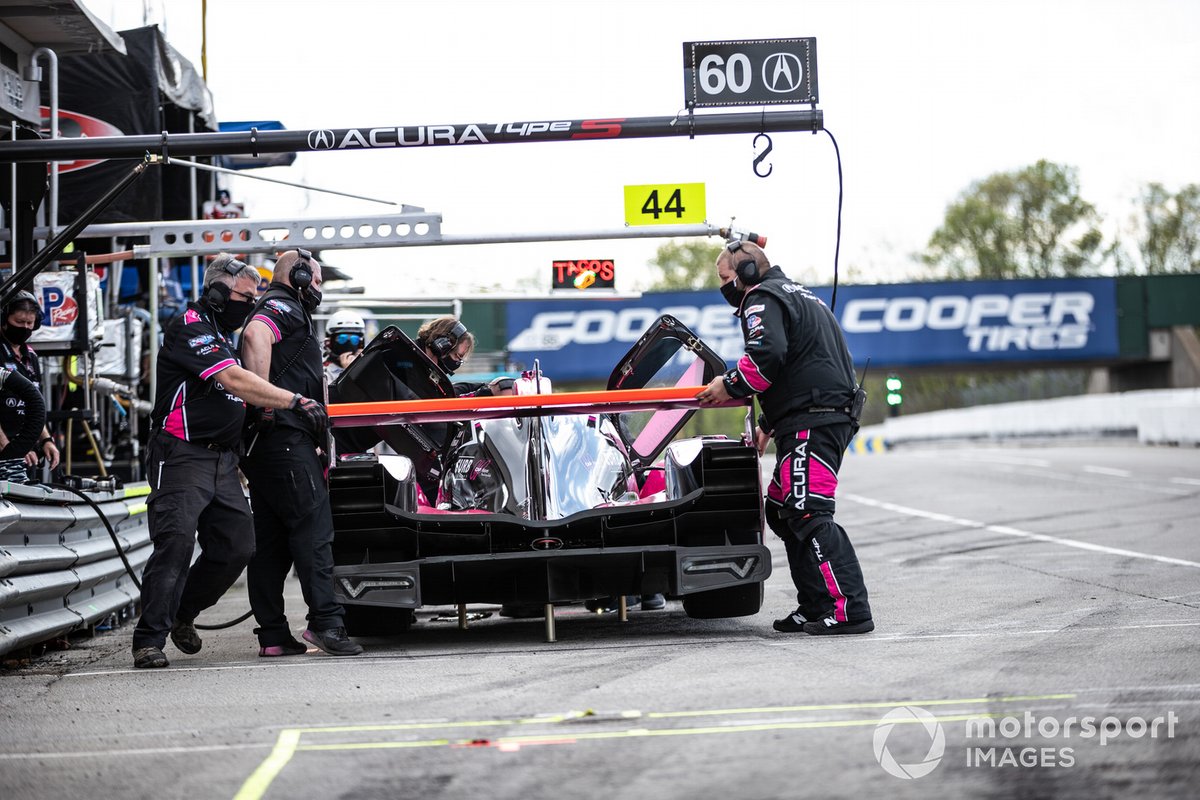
<point x="923" y="97"/>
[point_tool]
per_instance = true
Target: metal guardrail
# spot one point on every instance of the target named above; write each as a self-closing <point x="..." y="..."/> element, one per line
<point x="59" y="569"/>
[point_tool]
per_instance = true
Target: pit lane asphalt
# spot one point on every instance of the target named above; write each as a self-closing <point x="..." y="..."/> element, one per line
<point x="1058" y="581"/>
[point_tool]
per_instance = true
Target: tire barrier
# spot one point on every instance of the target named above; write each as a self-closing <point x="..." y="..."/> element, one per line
<point x="59" y="568"/>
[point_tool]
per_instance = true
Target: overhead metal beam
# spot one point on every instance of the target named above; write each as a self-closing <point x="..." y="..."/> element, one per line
<point x="361" y="233"/>
<point x="258" y="142"/>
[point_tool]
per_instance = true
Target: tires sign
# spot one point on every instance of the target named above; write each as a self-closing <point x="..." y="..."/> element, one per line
<point x="750" y="73"/>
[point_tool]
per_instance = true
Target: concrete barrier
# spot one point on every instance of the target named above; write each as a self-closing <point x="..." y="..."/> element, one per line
<point x="1158" y="416"/>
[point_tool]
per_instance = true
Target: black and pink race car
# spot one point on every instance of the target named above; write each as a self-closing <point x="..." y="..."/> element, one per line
<point x="539" y="498"/>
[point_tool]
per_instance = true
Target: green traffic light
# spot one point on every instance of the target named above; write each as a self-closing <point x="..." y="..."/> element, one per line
<point x="894" y="399"/>
<point x="894" y="384"/>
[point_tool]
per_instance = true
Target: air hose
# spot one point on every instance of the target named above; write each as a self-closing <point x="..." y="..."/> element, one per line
<point x="125" y="561"/>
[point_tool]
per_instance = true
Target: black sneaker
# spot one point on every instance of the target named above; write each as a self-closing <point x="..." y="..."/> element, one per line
<point x="792" y="623"/>
<point x="829" y="626"/>
<point x="150" y="658"/>
<point x="333" y="641"/>
<point x="289" y="648"/>
<point x="184" y="636"/>
<point x="653" y="602"/>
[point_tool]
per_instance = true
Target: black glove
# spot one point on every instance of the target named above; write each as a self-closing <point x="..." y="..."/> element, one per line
<point x="313" y="413"/>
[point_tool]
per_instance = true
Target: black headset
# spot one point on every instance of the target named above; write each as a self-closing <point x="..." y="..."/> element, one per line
<point x="301" y="276"/>
<point x="747" y="268"/>
<point x="442" y="345"/>
<point x="24" y="296"/>
<point x="216" y="295"/>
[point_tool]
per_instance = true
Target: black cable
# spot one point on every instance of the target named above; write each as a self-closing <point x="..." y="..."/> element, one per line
<point x="838" y="246"/>
<point x="129" y="567"/>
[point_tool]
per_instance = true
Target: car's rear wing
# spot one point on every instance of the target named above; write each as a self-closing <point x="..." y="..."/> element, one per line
<point x="451" y="409"/>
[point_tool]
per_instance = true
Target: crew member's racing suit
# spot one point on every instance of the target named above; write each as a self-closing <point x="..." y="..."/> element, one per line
<point x="797" y="362"/>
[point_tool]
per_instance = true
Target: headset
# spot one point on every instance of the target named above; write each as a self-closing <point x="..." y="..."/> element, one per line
<point x="301" y="275"/>
<point x="442" y="345"/>
<point x="216" y="295"/>
<point x="24" y="296"/>
<point x="747" y="268"/>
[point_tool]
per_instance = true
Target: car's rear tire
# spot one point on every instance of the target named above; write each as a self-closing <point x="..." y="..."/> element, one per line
<point x="377" y="620"/>
<point x="736" y="601"/>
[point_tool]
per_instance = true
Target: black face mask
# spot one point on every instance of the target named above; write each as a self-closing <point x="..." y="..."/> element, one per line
<point x="17" y="335"/>
<point x="310" y="298"/>
<point x="233" y="315"/>
<point x="733" y="294"/>
<point x="449" y="363"/>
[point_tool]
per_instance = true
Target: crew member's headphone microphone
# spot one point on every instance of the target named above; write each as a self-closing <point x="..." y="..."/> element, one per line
<point x="301" y="275"/>
<point x="216" y="295"/>
<point x="747" y="268"/>
<point x="442" y="345"/>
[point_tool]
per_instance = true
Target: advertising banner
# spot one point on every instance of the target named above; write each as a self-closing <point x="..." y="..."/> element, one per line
<point x="921" y="324"/>
<point x="55" y="292"/>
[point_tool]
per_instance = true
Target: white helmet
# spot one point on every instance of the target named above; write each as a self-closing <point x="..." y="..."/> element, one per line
<point x="345" y="321"/>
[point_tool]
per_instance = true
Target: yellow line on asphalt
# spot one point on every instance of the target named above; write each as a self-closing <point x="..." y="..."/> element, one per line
<point x="634" y="733"/>
<point x="411" y="726"/>
<point x="258" y="783"/>
<point x="844" y="706"/>
<point x="288" y="742"/>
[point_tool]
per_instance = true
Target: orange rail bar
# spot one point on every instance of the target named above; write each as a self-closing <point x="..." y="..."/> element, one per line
<point x="616" y="396"/>
<point x="456" y="409"/>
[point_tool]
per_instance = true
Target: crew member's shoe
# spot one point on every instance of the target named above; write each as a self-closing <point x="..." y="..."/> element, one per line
<point x="333" y="641"/>
<point x="653" y="602"/>
<point x="150" y="658"/>
<point x="829" y="626"/>
<point x="792" y="623"/>
<point x="185" y="637"/>
<point x="289" y="648"/>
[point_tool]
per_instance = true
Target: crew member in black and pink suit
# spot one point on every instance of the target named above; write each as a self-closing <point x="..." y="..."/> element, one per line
<point x="192" y="462"/>
<point x="797" y="362"/>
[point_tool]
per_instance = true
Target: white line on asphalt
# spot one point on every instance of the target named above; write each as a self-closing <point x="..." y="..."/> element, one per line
<point x="141" y="751"/>
<point x="1116" y="473"/>
<point x="1007" y="531"/>
<point x="904" y="637"/>
<point x="1187" y="481"/>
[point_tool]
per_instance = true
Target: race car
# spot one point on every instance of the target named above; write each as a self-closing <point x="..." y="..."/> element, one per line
<point x="539" y="498"/>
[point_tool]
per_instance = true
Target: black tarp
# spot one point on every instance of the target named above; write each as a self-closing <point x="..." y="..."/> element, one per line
<point x="149" y="90"/>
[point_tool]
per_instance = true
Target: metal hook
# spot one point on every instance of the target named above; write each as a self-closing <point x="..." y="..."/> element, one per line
<point x="759" y="158"/>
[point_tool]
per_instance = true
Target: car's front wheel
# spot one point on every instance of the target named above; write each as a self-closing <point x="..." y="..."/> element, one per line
<point x="735" y="601"/>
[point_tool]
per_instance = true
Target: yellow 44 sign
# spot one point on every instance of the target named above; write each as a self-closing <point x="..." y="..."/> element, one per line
<point x="669" y="204"/>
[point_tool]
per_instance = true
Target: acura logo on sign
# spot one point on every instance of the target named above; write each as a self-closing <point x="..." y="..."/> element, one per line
<point x="320" y="140"/>
<point x="781" y="72"/>
<point x="548" y="543"/>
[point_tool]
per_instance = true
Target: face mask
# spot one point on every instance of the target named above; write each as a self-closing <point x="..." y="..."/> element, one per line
<point x="18" y="335"/>
<point x="310" y="298"/>
<point x="233" y="315"/>
<point x="733" y="294"/>
<point x="449" y="363"/>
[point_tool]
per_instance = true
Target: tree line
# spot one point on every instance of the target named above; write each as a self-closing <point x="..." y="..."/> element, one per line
<point x="1027" y="223"/>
